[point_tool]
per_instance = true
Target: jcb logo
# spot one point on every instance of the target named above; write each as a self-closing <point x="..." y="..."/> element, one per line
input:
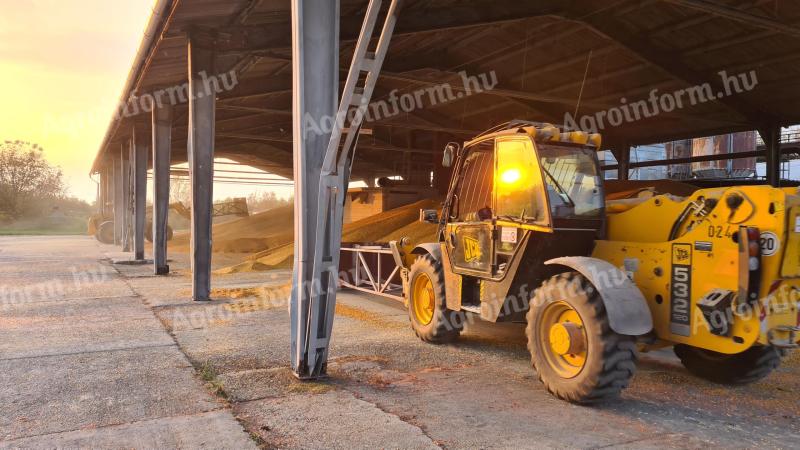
<point x="681" y="290"/>
<point x="472" y="249"/>
<point x="680" y="253"/>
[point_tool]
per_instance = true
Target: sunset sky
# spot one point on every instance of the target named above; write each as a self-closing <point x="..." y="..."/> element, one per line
<point x="63" y="65"/>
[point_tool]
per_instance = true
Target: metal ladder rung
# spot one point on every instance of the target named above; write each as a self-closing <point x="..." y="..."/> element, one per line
<point x="368" y="63"/>
<point x="357" y="97"/>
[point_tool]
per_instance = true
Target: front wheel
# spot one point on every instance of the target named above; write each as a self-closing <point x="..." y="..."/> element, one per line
<point x="577" y="355"/>
<point x="749" y="366"/>
<point x="427" y="308"/>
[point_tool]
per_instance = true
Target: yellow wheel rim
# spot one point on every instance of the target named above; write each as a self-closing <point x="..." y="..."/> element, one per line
<point x="422" y="299"/>
<point x="562" y="339"/>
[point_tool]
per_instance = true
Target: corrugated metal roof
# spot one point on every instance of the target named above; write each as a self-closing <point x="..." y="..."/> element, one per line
<point x="540" y="52"/>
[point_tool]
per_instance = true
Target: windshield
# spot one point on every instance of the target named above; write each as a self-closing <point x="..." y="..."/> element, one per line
<point x="574" y="188"/>
<point x="519" y="192"/>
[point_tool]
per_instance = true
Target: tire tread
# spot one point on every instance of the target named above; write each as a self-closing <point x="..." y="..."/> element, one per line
<point x="619" y="352"/>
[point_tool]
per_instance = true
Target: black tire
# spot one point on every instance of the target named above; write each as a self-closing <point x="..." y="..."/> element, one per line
<point x="747" y="367"/>
<point x="609" y="358"/>
<point x="445" y="325"/>
<point x="105" y="232"/>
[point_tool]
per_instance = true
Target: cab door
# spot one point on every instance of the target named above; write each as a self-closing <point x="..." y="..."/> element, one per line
<point x="469" y="231"/>
<point x="519" y="197"/>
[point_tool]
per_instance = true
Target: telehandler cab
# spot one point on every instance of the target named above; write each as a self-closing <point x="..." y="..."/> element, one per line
<point x="526" y="234"/>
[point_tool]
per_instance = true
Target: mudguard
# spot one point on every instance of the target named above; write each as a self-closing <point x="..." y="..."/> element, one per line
<point x="628" y="313"/>
<point x="434" y="248"/>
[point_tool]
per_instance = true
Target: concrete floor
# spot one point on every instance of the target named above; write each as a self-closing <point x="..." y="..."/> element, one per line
<point x="123" y="358"/>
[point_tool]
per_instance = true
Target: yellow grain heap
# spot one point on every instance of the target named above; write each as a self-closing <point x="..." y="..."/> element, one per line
<point x="269" y="236"/>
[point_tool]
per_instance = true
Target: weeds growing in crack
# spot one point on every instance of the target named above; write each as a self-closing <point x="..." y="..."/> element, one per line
<point x="209" y="375"/>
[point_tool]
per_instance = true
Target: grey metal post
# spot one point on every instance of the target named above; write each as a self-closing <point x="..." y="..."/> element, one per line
<point x="200" y="147"/>
<point x="108" y="192"/>
<point x="162" y="147"/>
<point x="108" y="207"/>
<point x="624" y="161"/>
<point x="126" y="195"/>
<point x="101" y="191"/>
<point x="315" y="86"/>
<point x="119" y="197"/>
<point x="139" y="193"/>
<point x="771" y="137"/>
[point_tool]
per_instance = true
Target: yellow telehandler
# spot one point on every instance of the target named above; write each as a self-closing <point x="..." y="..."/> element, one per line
<point x="526" y="234"/>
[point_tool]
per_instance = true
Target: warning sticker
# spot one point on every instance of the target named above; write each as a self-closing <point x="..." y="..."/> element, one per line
<point x="508" y="234"/>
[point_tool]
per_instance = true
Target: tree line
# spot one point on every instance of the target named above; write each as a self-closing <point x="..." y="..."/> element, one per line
<point x="30" y="187"/>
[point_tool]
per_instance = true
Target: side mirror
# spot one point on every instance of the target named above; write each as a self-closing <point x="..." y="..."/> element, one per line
<point x="449" y="152"/>
<point x="428" y="215"/>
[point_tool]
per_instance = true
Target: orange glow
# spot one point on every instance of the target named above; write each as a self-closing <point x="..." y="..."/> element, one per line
<point x="511" y="176"/>
<point x="62" y="69"/>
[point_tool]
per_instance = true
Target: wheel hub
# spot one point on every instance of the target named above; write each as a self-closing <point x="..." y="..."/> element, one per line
<point x="563" y="339"/>
<point x="423" y="299"/>
<point x="566" y="338"/>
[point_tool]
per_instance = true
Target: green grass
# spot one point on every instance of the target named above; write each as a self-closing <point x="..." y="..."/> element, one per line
<point x="45" y="227"/>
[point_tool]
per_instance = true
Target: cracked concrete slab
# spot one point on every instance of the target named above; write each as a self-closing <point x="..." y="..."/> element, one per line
<point x="85" y="363"/>
<point x="211" y="430"/>
<point x="333" y="420"/>
<point x="68" y="392"/>
<point x="76" y="326"/>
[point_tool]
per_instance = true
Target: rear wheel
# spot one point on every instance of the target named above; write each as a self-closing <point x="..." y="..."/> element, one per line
<point x="573" y="349"/>
<point x="749" y="366"/>
<point x="105" y="232"/>
<point x="427" y="308"/>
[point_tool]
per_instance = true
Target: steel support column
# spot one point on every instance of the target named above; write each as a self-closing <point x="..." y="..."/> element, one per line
<point x="116" y="165"/>
<point x="771" y="137"/>
<point x="101" y="191"/>
<point x="200" y="147"/>
<point x="315" y="89"/>
<point x="127" y="206"/>
<point x="119" y="196"/>
<point x="139" y="193"/>
<point x="108" y="208"/>
<point x="162" y="148"/>
<point x="623" y="155"/>
<point x="315" y="28"/>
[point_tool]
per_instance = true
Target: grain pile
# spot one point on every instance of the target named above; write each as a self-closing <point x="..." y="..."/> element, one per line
<point x="252" y="234"/>
<point x="268" y="237"/>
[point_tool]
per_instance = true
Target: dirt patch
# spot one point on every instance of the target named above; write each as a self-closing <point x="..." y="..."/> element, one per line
<point x="367" y="316"/>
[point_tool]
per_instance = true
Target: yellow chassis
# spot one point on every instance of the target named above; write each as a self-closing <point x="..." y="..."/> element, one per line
<point x="706" y="251"/>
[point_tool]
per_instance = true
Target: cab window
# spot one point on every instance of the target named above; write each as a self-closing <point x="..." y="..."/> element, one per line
<point x="474" y="202"/>
<point x="519" y="187"/>
<point x="574" y="187"/>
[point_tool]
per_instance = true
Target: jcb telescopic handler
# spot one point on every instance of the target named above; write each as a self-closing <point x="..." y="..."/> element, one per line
<point x="526" y="234"/>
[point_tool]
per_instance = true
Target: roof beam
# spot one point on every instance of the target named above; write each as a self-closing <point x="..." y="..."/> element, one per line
<point x="287" y="139"/>
<point x="423" y="20"/>
<point x="738" y="15"/>
<point x="669" y="62"/>
<point x="458" y="87"/>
